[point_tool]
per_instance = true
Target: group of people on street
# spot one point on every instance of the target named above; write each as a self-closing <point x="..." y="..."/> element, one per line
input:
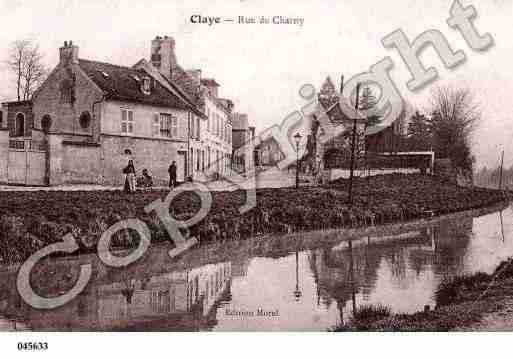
<point x="145" y="181"/>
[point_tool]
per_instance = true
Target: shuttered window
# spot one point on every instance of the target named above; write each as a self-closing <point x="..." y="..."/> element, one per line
<point x="164" y="125"/>
<point x="174" y="126"/>
<point x="156" y="125"/>
<point x="127" y="121"/>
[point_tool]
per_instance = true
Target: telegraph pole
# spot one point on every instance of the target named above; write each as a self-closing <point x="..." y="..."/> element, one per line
<point x="500" y="170"/>
<point x="351" y="171"/>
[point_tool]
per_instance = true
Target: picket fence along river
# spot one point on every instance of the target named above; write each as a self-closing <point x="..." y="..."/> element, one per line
<point x="311" y="289"/>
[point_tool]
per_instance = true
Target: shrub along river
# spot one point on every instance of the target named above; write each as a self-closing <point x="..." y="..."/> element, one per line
<point x="265" y="284"/>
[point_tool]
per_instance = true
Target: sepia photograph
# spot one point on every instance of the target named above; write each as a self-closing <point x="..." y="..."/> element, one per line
<point x="254" y="166"/>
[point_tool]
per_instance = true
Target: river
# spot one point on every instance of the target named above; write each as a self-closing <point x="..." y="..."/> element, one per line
<point x="311" y="289"/>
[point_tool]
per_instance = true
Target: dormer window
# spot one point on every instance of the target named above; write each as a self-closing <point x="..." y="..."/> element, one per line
<point x="146" y="85"/>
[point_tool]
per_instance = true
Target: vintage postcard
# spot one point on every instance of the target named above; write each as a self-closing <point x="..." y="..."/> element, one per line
<point x="256" y="166"/>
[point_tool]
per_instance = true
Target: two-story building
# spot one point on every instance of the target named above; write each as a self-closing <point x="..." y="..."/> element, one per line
<point x="210" y="142"/>
<point x="89" y="118"/>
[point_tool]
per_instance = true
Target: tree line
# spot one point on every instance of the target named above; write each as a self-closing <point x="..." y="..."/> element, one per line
<point x="445" y="126"/>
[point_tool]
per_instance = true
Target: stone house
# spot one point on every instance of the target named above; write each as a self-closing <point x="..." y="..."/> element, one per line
<point x="88" y="118"/>
<point x="210" y="145"/>
<point x="243" y="143"/>
<point x="269" y="153"/>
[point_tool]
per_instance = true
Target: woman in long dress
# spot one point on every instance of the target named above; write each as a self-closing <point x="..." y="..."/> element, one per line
<point x="129" y="172"/>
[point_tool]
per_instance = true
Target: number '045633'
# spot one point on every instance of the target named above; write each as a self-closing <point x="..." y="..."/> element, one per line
<point x="32" y="345"/>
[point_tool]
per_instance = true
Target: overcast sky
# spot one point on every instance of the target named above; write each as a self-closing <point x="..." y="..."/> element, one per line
<point x="262" y="67"/>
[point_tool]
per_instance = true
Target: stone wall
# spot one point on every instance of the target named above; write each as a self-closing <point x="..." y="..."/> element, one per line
<point x="4" y="152"/>
<point x="154" y="155"/>
<point x="79" y="162"/>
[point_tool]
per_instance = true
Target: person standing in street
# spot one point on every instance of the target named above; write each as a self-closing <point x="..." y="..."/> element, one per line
<point x="129" y="172"/>
<point x="172" y="175"/>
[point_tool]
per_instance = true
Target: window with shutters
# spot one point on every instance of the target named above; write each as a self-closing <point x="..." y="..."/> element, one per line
<point x="127" y="121"/>
<point x="165" y="125"/>
<point x="156" y="125"/>
<point x="146" y="85"/>
<point x="174" y="126"/>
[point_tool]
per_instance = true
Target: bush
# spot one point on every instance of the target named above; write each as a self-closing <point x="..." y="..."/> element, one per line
<point x="455" y="290"/>
<point x="504" y="270"/>
<point x="365" y="318"/>
<point x="371" y="312"/>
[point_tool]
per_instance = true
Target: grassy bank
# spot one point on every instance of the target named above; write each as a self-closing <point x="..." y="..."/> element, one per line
<point x="460" y="303"/>
<point x="31" y="220"/>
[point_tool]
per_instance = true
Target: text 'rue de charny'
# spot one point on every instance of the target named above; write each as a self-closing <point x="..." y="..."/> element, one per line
<point x="265" y="20"/>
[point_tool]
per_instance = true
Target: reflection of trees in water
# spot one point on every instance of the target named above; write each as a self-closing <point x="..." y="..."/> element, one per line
<point x="452" y="240"/>
<point x="397" y="260"/>
<point x="441" y="247"/>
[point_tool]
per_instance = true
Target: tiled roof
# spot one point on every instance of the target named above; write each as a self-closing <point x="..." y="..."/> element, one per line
<point x="124" y="84"/>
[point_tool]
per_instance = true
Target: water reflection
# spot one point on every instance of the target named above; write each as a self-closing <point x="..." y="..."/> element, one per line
<point x="397" y="270"/>
<point x="310" y="289"/>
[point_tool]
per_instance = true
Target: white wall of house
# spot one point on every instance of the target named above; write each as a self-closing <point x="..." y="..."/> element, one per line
<point x="217" y="138"/>
<point x="144" y="124"/>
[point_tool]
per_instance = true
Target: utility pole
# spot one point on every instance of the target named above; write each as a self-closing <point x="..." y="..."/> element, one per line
<point x="351" y="275"/>
<point x="500" y="170"/>
<point x="351" y="171"/>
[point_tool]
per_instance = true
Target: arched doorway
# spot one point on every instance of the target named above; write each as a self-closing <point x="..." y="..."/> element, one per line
<point x="19" y="125"/>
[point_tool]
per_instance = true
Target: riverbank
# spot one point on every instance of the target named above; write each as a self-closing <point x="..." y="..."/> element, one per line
<point x="466" y="303"/>
<point x="31" y="220"/>
<point x="370" y="247"/>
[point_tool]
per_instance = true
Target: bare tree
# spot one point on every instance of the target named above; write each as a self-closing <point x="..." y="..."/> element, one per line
<point x="25" y="61"/>
<point x="454" y="116"/>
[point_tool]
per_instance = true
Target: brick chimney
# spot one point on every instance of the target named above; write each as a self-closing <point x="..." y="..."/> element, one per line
<point x="68" y="54"/>
<point x="163" y="55"/>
